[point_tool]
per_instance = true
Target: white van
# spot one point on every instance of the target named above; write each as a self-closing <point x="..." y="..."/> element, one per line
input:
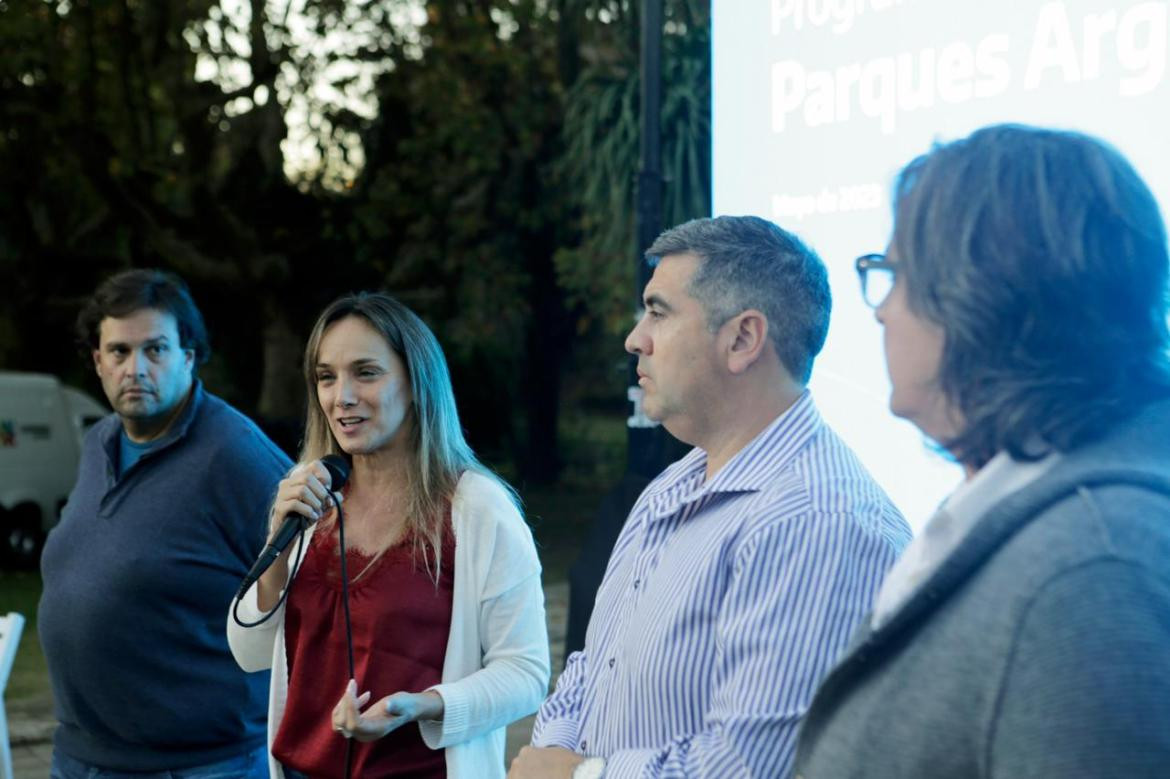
<point x="41" y="426"/>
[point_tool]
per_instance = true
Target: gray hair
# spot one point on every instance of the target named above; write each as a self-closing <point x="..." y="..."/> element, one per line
<point x="746" y="262"/>
<point x="1042" y="256"/>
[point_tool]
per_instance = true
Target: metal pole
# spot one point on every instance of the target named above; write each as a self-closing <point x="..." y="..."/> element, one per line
<point x="645" y="439"/>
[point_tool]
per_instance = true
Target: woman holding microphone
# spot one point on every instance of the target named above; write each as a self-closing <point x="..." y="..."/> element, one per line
<point x="443" y="579"/>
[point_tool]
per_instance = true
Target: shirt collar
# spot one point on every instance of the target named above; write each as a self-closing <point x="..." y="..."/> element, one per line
<point x="178" y="429"/>
<point x="950" y="526"/>
<point x="754" y="466"/>
<point x="1000" y="477"/>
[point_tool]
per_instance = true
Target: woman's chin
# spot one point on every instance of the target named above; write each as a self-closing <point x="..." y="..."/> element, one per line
<point x="351" y="447"/>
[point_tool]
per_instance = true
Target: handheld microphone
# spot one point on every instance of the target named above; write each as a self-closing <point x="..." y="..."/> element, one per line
<point x="294" y="524"/>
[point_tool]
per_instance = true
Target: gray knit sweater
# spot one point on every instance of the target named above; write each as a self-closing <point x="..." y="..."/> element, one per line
<point x="1041" y="648"/>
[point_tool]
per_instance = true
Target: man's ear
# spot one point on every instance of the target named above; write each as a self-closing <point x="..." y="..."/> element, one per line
<point x="747" y="337"/>
<point x="97" y="362"/>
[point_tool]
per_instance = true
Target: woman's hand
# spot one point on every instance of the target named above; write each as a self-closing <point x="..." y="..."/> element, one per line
<point x="305" y="491"/>
<point x="385" y="715"/>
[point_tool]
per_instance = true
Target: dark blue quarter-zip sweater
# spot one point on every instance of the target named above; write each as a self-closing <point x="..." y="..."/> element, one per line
<point x="138" y="576"/>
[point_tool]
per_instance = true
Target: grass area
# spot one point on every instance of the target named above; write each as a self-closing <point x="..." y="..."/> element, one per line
<point x="20" y="591"/>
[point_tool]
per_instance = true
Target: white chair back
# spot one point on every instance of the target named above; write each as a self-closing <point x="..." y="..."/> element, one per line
<point x="11" y="626"/>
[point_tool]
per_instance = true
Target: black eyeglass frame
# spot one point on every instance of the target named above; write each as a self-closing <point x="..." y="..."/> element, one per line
<point x="868" y="262"/>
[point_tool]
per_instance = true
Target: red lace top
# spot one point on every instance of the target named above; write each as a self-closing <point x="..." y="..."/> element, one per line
<point x="400" y="628"/>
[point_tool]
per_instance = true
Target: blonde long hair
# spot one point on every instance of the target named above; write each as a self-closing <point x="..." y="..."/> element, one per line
<point x="441" y="452"/>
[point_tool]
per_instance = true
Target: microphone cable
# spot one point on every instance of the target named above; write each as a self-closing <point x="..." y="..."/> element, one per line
<point x="338" y="469"/>
<point x="299" y="560"/>
<point x="284" y="593"/>
<point x="348" y="624"/>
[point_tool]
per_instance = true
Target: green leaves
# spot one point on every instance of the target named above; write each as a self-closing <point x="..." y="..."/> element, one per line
<point x="477" y="157"/>
<point x="601" y="160"/>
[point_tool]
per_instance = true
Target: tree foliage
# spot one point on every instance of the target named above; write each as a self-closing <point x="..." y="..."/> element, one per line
<point x="120" y="156"/>
<point x="476" y="157"/>
<point x="457" y="211"/>
<point x="602" y="132"/>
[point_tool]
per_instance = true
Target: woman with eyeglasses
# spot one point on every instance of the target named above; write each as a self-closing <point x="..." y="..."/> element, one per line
<point x="438" y="574"/>
<point x="1026" y="631"/>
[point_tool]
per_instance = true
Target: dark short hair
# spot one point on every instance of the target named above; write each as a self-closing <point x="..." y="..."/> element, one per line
<point x="1042" y="256"/>
<point x="748" y="262"/>
<point x="133" y="290"/>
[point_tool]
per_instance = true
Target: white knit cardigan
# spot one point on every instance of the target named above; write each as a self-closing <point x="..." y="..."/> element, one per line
<point x="496" y="668"/>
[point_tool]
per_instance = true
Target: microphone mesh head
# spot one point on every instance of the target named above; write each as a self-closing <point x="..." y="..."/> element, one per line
<point x="338" y="471"/>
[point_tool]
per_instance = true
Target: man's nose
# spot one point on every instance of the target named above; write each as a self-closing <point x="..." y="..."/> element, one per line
<point x="636" y="342"/>
<point x="138" y="362"/>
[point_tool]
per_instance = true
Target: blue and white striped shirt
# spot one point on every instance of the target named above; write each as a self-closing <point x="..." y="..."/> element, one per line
<point x="724" y="604"/>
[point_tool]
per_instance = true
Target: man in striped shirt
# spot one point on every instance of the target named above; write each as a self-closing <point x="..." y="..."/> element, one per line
<point x="743" y="567"/>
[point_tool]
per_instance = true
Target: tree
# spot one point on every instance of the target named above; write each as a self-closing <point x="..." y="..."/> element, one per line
<point x="475" y="156"/>
<point x="459" y="214"/>
<point x="601" y="162"/>
<point x="602" y="134"/>
<point x="145" y="162"/>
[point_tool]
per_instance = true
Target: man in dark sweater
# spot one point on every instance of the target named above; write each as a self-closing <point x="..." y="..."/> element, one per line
<point x="168" y="513"/>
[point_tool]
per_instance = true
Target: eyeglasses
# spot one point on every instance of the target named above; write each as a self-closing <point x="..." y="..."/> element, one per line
<point x="877" y="278"/>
